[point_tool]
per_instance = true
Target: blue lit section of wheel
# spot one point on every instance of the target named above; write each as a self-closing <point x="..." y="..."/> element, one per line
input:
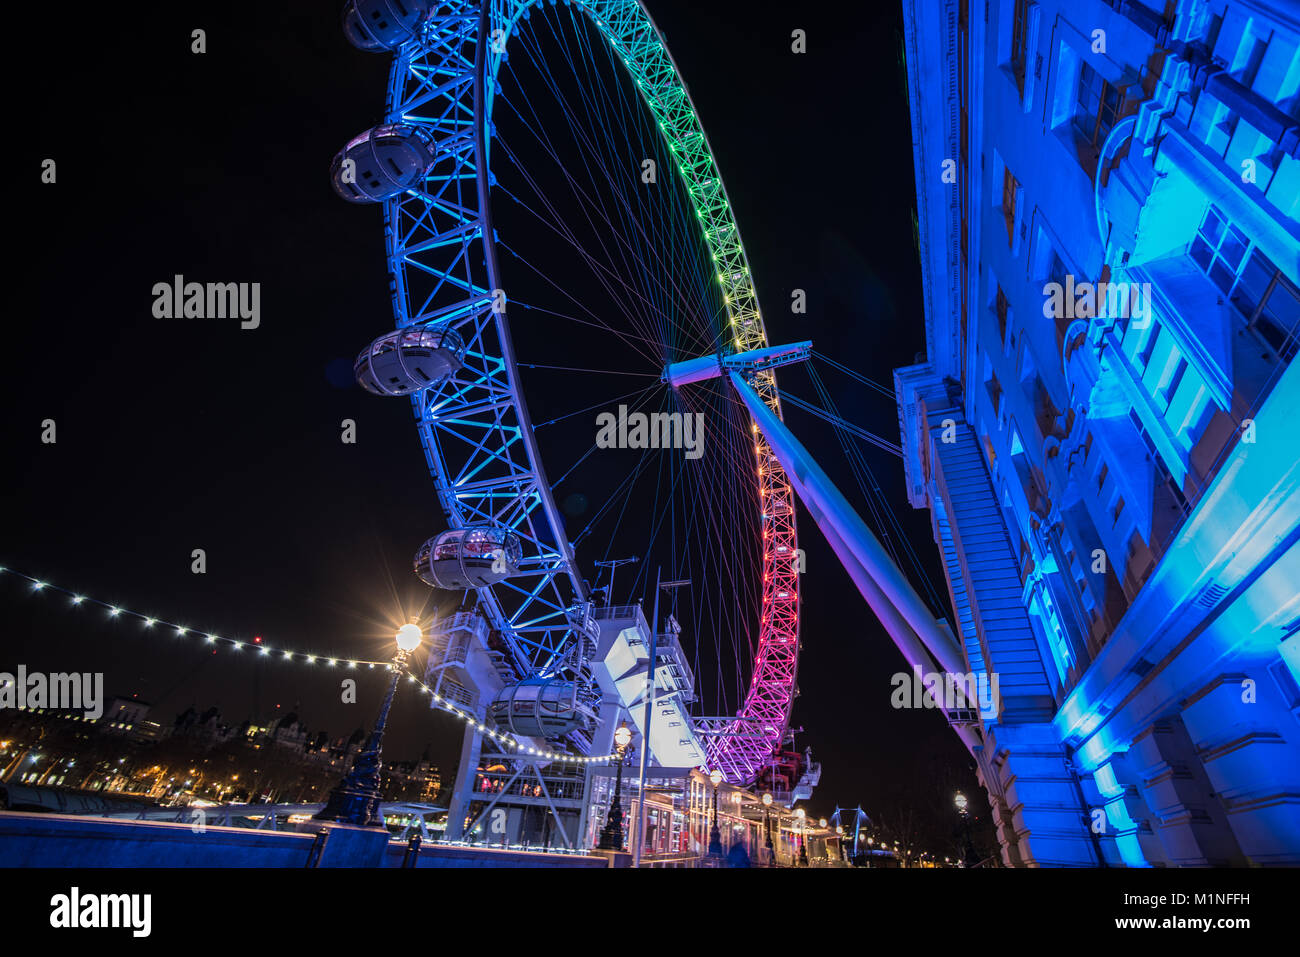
<point x="445" y="261"/>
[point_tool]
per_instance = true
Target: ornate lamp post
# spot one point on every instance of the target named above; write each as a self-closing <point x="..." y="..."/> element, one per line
<point x="355" y="799"/>
<point x="767" y="828"/>
<point x="611" y="835"/>
<point x="715" y="836"/>
<point x="800" y="813"/>
<point x="963" y="808"/>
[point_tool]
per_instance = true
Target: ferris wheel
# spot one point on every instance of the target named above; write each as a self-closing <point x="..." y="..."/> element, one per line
<point x="557" y="234"/>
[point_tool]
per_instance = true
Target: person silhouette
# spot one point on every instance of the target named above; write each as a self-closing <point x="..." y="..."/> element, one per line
<point x="738" y="856"/>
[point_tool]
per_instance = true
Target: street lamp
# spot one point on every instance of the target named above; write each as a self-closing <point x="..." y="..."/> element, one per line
<point x="800" y="813"/>
<point x="963" y="809"/>
<point x="356" y="799"/>
<point x="715" y="836"/>
<point x="409" y="637"/>
<point x="767" y="828"/>
<point x="611" y="835"/>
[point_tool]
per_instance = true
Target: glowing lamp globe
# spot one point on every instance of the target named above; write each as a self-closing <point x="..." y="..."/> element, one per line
<point x="622" y="737"/>
<point x="821" y="822"/>
<point x="800" y="813"/>
<point x="409" y="637"/>
<point x="767" y="800"/>
<point x="716" y="778"/>
<point x="960" y="801"/>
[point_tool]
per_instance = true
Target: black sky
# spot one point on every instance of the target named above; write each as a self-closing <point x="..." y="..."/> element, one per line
<point x="184" y="434"/>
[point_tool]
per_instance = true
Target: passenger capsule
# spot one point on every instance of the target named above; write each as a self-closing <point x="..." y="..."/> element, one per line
<point x="376" y="25"/>
<point x="385" y="161"/>
<point x="409" y="360"/>
<point x="461" y="558"/>
<point x="539" y="707"/>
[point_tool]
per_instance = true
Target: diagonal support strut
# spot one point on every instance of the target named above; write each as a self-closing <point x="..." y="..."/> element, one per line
<point x="914" y="630"/>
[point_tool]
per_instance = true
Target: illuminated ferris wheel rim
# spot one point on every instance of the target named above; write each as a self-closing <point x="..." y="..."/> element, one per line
<point x="432" y="78"/>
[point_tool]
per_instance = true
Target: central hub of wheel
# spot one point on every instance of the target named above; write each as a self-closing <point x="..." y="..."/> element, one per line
<point x="677" y="374"/>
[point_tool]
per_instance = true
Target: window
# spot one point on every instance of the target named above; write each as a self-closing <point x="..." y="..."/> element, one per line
<point x="1099" y="105"/>
<point x="1057" y="273"/>
<point x="1143" y="434"/>
<point x="1271" y="305"/>
<point x="1019" y="43"/>
<point x="1121" y="327"/>
<point x="1026" y="556"/>
<point x="1265" y="297"/>
<point x="995" y="394"/>
<point x="1144" y="354"/>
<point x="1010" y="187"/>
<point x="1163" y="475"/>
<point x="1218" y="249"/>
<point x="1169" y="384"/>
<point x="1002" y="307"/>
<point x="1286" y="683"/>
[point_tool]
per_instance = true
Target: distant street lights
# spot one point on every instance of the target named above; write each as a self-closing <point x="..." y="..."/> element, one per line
<point x="356" y="799"/>
<point x="767" y="828"/>
<point x="611" y="835"/>
<point x="715" y="836"/>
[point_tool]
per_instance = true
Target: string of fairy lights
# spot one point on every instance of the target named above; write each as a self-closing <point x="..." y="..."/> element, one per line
<point x="287" y="656"/>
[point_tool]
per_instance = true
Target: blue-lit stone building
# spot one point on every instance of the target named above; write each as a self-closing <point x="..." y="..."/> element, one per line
<point x="1106" y="426"/>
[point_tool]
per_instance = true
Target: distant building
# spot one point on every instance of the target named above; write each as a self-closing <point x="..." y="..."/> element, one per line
<point x="129" y="717"/>
<point x="1103" y="428"/>
<point x="206" y="730"/>
<point x="417" y="782"/>
<point x="289" y="733"/>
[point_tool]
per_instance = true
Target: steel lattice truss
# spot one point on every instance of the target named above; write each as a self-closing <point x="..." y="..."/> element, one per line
<point x="475" y="428"/>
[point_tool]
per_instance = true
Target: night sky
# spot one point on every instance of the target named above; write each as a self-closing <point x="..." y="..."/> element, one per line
<point x="181" y="434"/>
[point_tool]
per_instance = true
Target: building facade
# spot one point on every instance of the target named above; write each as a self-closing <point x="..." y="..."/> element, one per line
<point x="1108" y="197"/>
